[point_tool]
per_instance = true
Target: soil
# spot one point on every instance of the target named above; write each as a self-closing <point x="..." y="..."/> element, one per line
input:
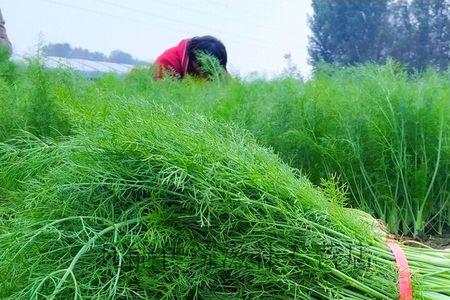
<point x="439" y="242"/>
<point x="433" y="241"/>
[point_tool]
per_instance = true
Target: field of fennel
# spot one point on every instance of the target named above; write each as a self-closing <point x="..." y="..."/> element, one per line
<point x="383" y="133"/>
<point x="130" y="188"/>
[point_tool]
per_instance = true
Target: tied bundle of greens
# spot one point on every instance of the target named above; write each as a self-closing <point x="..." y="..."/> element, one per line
<point x="161" y="205"/>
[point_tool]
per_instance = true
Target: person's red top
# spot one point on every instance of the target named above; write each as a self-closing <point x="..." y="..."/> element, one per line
<point x="174" y="61"/>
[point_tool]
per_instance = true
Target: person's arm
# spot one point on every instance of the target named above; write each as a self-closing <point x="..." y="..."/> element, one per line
<point x="164" y="66"/>
<point x="4" y="41"/>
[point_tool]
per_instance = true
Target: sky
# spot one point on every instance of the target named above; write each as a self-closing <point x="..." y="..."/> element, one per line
<point x="256" y="33"/>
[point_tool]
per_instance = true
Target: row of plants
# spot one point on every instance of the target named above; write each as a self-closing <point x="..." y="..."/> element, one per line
<point x="135" y="189"/>
<point x="383" y="133"/>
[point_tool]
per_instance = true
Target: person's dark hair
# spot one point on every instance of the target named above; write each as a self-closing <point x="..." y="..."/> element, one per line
<point x="209" y="45"/>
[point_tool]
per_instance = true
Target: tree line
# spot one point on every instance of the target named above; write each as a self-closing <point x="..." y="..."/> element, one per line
<point x="415" y="33"/>
<point x="67" y="51"/>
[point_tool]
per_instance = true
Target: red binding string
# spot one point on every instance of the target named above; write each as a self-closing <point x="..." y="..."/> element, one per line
<point x="404" y="275"/>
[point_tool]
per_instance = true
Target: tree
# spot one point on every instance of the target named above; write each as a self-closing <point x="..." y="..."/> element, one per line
<point x="346" y="31"/>
<point x="66" y="50"/>
<point x="413" y="32"/>
<point x="60" y="50"/>
<point x="398" y="33"/>
<point x="80" y="53"/>
<point x="118" y="56"/>
<point x="440" y="34"/>
<point x="98" y="56"/>
<point x="420" y="10"/>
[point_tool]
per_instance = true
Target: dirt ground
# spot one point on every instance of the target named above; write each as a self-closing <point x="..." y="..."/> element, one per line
<point x="433" y="241"/>
<point x="439" y="242"/>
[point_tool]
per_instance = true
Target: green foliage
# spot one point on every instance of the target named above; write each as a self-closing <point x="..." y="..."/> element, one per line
<point x="347" y="32"/>
<point x="161" y="204"/>
<point x="8" y="68"/>
<point x="42" y="113"/>
<point x="210" y="66"/>
<point x="28" y="101"/>
<point x="122" y="188"/>
<point x="383" y="134"/>
<point x="415" y="33"/>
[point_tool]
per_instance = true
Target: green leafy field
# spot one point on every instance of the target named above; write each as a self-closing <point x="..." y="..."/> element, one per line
<point x="130" y="188"/>
<point x="383" y="135"/>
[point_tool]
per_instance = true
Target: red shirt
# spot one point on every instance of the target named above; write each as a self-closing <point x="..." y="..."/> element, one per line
<point x="174" y="61"/>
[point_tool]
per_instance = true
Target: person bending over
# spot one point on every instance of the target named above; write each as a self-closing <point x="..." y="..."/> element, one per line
<point x="183" y="59"/>
<point x="4" y="41"/>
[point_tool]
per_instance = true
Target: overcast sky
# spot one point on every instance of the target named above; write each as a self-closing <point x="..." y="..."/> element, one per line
<point x="257" y="33"/>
